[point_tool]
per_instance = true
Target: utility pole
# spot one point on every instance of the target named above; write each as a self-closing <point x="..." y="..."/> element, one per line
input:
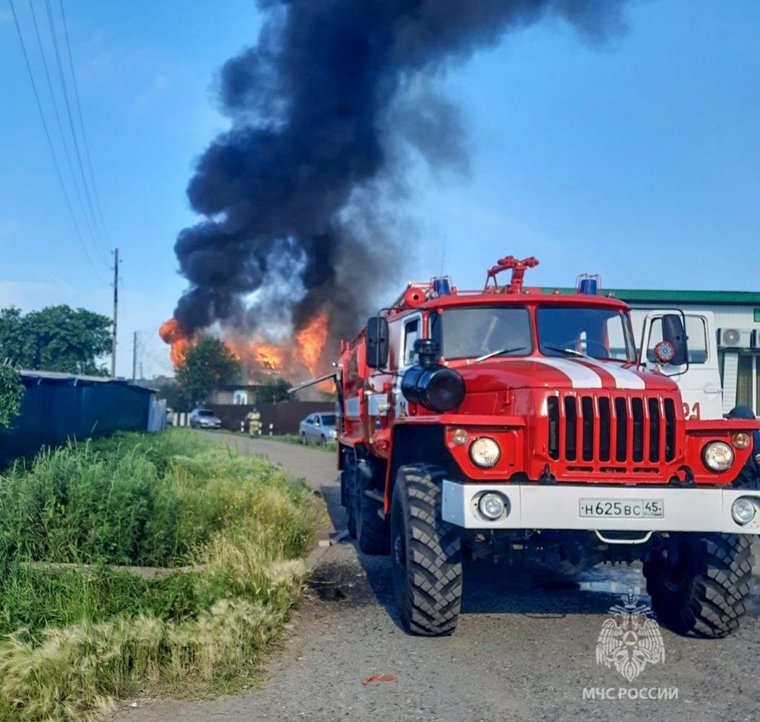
<point x="115" y="310"/>
<point x="134" y="356"/>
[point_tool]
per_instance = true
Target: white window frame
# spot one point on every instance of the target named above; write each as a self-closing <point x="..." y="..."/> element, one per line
<point x="402" y="346"/>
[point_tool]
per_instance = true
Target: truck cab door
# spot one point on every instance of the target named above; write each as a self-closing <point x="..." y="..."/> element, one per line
<point x="410" y="332"/>
<point x="699" y="380"/>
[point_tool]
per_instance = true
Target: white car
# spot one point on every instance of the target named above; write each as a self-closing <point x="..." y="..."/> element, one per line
<point x="204" y="419"/>
<point x="317" y="429"/>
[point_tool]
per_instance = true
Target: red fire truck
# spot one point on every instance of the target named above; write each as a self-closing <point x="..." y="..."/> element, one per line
<point x="514" y="421"/>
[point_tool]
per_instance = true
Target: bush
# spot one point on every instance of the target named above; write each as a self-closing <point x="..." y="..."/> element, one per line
<point x="79" y="637"/>
<point x="11" y="393"/>
<point x="136" y="500"/>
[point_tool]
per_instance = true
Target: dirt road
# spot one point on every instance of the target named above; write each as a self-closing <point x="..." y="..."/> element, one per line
<point x="521" y="651"/>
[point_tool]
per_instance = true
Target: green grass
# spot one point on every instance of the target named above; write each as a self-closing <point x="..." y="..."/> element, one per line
<point x="76" y="639"/>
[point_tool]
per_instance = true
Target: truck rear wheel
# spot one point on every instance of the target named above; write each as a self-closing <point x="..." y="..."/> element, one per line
<point x="372" y="530"/>
<point x="699" y="583"/>
<point x="426" y="554"/>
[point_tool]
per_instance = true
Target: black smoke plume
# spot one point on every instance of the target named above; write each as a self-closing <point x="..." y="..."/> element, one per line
<point x="320" y="108"/>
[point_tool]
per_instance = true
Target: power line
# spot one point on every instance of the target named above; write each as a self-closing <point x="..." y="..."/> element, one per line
<point x="85" y="142"/>
<point x="60" y="124"/>
<point x="50" y="142"/>
<point x="69" y="114"/>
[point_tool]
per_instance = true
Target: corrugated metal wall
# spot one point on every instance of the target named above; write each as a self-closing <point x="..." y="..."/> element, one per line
<point x="57" y="407"/>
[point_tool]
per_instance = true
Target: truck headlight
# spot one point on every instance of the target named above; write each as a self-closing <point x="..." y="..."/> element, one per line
<point x="743" y="510"/>
<point x="485" y="452"/>
<point x="492" y="505"/>
<point x="718" y="456"/>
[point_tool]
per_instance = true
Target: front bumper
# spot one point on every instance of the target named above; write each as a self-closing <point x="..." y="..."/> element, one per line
<point x="533" y="506"/>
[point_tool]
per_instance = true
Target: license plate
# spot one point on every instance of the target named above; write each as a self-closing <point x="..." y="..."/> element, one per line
<point x="617" y="509"/>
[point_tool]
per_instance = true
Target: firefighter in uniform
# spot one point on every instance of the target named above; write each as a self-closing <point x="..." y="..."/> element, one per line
<point x="254" y="422"/>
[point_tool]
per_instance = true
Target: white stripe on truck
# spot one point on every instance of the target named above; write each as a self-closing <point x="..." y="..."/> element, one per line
<point x="624" y="379"/>
<point x="581" y="377"/>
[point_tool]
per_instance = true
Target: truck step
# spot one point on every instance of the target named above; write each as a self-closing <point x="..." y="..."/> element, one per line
<point x="375" y="495"/>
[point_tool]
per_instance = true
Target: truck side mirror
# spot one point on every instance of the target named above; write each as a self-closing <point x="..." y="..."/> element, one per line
<point x="377" y="342"/>
<point x="674" y="333"/>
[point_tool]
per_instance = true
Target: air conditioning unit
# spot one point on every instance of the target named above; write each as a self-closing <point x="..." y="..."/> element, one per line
<point x="736" y="338"/>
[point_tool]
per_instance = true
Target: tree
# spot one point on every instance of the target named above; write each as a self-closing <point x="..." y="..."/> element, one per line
<point x="11" y="393"/>
<point x="175" y="395"/>
<point x="56" y="338"/>
<point x="207" y="365"/>
<point x="274" y="391"/>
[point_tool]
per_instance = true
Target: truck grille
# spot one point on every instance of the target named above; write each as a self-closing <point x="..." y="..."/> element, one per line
<point x="612" y="429"/>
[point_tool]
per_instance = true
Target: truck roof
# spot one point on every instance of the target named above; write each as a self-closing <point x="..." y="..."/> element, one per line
<point x="527" y="297"/>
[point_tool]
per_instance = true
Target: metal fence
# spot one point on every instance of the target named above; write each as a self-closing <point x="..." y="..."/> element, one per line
<point x="275" y="418"/>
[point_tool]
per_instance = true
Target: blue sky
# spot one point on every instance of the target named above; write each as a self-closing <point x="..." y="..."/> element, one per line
<point x="638" y="159"/>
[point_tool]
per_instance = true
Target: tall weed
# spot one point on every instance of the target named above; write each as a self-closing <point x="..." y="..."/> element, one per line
<point x="76" y="639"/>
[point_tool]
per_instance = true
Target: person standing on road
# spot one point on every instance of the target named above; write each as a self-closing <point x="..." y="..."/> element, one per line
<point x="254" y="422"/>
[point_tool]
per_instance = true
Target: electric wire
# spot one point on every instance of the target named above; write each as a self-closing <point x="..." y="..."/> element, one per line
<point x="85" y="142"/>
<point x="69" y="114"/>
<point x="59" y="123"/>
<point x="51" y="147"/>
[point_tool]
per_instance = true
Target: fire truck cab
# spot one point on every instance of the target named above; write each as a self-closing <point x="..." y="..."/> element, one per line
<point x="698" y="378"/>
<point x="512" y="421"/>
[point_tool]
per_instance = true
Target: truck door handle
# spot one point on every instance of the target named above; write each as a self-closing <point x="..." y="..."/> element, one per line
<point x="711" y="389"/>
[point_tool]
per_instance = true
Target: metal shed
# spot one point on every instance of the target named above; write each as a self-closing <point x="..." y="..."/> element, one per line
<point x="57" y="407"/>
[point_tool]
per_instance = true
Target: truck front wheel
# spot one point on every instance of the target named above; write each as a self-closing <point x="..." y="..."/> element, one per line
<point x="426" y="554"/>
<point x="699" y="583"/>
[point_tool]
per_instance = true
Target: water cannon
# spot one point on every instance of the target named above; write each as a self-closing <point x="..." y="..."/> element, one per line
<point x="518" y="268"/>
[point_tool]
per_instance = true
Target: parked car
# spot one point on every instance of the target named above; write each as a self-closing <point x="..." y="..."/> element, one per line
<point x="317" y="429"/>
<point x="204" y="419"/>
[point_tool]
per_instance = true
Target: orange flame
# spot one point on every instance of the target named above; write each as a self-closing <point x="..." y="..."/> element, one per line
<point x="296" y="359"/>
<point x="172" y="333"/>
<point x="311" y="342"/>
<point x="258" y="355"/>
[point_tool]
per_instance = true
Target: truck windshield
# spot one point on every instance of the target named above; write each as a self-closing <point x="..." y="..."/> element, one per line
<point x="602" y="333"/>
<point x="476" y="331"/>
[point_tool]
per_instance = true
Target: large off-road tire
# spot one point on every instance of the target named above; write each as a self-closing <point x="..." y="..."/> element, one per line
<point x="699" y="583"/>
<point x="426" y="554"/>
<point x="372" y="529"/>
<point x="348" y="482"/>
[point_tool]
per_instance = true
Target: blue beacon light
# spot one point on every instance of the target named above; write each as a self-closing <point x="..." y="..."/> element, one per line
<point x="588" y="285"/>
<point x="441" y="285"/>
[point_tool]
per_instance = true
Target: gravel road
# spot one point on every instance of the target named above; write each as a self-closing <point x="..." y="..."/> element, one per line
<point x="521" y="651"/>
